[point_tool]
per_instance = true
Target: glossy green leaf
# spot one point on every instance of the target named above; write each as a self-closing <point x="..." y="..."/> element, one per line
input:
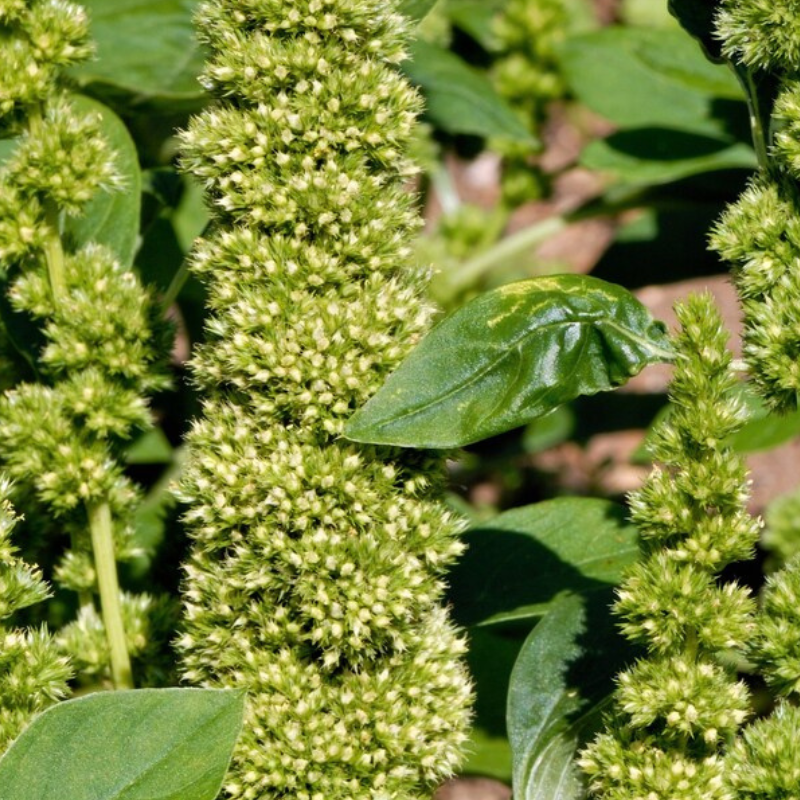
<point x="416" y="9"/>
<point x="667" y="81"/>
<point x="516" y="563"/>
<point x="460" y="99"/>
<point x="145" y="48"/>
<point x="509" y="356"/>
<point x="557" y="695"/>
<point x="112" y="218"/>
<point x="648" y="156"/>
<point x="164" y="744"/>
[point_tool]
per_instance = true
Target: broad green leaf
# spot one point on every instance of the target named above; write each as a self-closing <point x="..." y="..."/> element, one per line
<point x="460" y="99"/>
<point x="416" y="9"/>
<point x="145" y="48"/>
<point x="150" y="744"/>
<point x="697" y="17"/>
<point x="112" y="218"/>
<point x="648" y="156"/>
<point x="557" y="695"/>
<point x="667" y="81"/>
<point x="509" y="356"/>
<point x="516" y="563"/>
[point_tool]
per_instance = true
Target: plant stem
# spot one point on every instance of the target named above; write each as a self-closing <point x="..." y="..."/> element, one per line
<point x="54" y="252"/>
<point x="53" y="246"/>
<point x="105" y="563"/>
<point x="756" y="123"/>
<point x="506" y="249"/>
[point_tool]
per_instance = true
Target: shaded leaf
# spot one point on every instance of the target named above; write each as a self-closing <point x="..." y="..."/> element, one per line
<point x="170" y="744"/>
<point x="647" y="156"/>
<point x="668" y="83"/>
<point x="460" y="99"/>
<point x="111" y="218"/>
<point x="145" y="48"/>
<point x="557" y="695"/>
<point x="509" y="356"/>
<point x="516" y="563"/>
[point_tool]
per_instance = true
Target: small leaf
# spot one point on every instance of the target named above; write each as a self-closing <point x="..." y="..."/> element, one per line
<point x="509" y="356"/>
<point x="518" y="562"/>
<point x="145" y="48"/>
<point x="460" y="99"/>
<point x="416" y="9"/>
<point x="111" y="218"/>
<point x="557" y="695"/>
<point x="169" y="744"/>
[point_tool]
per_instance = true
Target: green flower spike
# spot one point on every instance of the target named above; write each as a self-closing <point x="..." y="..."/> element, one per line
<point x="317" y="573"/>
<point x="676" y="708"/>
<point x="103" y="348"/>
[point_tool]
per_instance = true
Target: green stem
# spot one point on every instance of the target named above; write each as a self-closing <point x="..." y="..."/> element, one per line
<point x="106" y="565"/>
<point x="176" y="284"/>
<point x="53" y="246"/>
<point x="505" y="250"/>
<point x="756" y="123"/>
<point x="54" y="252"/>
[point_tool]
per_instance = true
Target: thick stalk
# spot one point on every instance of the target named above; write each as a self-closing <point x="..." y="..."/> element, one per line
<point x="103" y="545"/>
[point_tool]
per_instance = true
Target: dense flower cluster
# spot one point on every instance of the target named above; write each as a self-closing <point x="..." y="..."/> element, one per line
<point x="759" y="234"/>
<point x="102" y="344"/>
<point x="32" y="672"/>
<point x="676" y="708"/>
<point x="316" y="576"/>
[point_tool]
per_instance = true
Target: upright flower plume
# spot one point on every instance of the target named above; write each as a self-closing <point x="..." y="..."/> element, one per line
<point x="32" y="672"/>
<point x="100" y="357"/>
<point x="760" y="234"/>
<point x="316" y="576"/>
<point x="676" y="708"/>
